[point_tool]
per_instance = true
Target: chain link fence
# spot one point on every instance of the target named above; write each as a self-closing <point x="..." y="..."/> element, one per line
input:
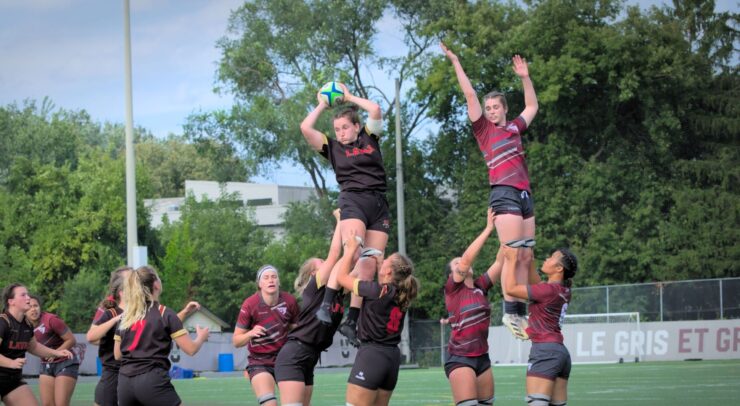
<point x="705" y="299"/>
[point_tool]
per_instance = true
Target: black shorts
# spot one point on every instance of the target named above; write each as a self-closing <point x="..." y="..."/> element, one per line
<point x="68" y="367"/>
<point x="106" y="391"/>
<point x="370" y="206"/>
<point x="296" y="362"/>
<point x="510" y="200"/>
<point x="10" y="383"/>
<point x="549" y="361"/>
<point x="253" y="370"/>
<point x="376" y="367"/>
<point x="479" y="364"/>
<point x="150" y="388"/>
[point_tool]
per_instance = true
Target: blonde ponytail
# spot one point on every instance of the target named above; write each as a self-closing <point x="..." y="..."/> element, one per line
<point x="138" y="291"/>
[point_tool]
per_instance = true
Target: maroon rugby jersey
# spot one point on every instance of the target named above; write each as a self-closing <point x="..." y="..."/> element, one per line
<point x="105" y="347"/>
<point x="49" y="332"/>
<point x="548" y="304"/>
<point x="146" y="344"/>
<point x="309" y="330"/>
<point x="503" y="151"/>
<point x="358" y="166"/>
<point x="275" y="319"/>
<point x="469" y="315"/>
<point x="15" y="336"/>
<point x="381" y="319"/>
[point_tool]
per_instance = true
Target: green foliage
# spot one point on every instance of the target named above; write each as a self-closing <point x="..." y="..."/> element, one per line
<point x="82" y="295"/>
<point x="221" y="241"/>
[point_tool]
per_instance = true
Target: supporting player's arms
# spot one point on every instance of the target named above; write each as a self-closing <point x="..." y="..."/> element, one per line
<point x="509" y="280"/>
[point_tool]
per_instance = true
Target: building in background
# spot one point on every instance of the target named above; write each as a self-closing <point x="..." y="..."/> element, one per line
<point x="269" y="201"/>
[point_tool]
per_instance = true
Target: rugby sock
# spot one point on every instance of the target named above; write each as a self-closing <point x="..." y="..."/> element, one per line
<point x="467" y="402"/>
<point x="563" y="403"/>
<point x="521" y="308"/>
<point x="537" y="399"/>
<point x="486" y="402"/>
<point x="266" y="398"/>
<point x="329" y="296"/>
<point x="354" y="314"/>
<point x="511" y="307"/>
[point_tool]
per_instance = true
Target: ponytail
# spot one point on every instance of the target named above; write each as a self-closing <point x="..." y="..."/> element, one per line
<point x="138" y="289"/>
<point x="115" y="286"/>
<point x="304" y="274"/>
<point x="406" y="283"/>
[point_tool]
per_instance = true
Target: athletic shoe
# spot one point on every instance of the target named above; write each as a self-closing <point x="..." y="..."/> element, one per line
<point x="516" y="325"/>
<point x="324" y="313"/>
<point x="349" y="330"/>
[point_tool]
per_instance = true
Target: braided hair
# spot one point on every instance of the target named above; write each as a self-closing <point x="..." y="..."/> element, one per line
<point x="569" y="262"/>
<point x="406" y="283"/>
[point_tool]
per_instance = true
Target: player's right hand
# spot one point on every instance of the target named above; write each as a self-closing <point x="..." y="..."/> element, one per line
<point x="17" y="363"/>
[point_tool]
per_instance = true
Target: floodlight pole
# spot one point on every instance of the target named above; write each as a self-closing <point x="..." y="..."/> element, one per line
<point x="131" y="238"/>
<point x="400" y="204"/>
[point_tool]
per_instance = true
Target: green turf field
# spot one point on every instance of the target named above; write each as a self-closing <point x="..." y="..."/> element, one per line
<point x="648" y="383"/>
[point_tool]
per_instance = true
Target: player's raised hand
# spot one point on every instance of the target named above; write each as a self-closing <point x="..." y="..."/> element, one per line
<point x="449" y="54"/>
<point x="520" y="66"/>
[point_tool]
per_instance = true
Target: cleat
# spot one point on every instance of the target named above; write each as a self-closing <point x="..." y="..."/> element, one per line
<point x="516" y="325"/>
<point x="349" y="330"/>
<point x="324" y="313"/>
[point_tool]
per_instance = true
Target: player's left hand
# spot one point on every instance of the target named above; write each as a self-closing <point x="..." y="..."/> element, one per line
<point x="520" y="66"/>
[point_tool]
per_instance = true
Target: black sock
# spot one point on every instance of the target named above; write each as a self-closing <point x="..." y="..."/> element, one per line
<point x="521" y="308"/>
<point x="354" y="314"/>
<point x="510" y="307"/>
<point x="329" y="295"/>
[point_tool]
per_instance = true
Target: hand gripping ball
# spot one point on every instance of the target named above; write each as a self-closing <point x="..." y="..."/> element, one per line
<point x="331" y="93"/>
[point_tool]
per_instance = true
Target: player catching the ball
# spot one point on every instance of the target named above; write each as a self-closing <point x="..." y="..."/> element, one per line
<point x="358" y="166"/>
<point x="510" y="198"/>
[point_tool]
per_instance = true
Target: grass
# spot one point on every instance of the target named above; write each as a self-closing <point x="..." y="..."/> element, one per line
<point x="648" y="383"/>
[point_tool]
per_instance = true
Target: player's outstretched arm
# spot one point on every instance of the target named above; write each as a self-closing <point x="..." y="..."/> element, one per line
<point x="190" y="346"/>
<point x="314" y="137"/>
<point x="43" y="351"/>
<point x="471" y="253"/>
<point x="373" y="109"/>
<point x="344" y="279"/>
<point x="474" y="108"/>
<point x="189" y="309"/>
<point x="335" y="249"/>
<point x="494" y="271"/>
<point x="96" y="332"/>
<point x="521" y="68"/>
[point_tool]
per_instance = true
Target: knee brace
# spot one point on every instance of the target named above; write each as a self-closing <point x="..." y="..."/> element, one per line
<point x="559" y="403"/>
<point x="266" y="398"/>
<point x="537" y="399"/>
<point x="486" y="402"/>
<point x="467" y="402"/>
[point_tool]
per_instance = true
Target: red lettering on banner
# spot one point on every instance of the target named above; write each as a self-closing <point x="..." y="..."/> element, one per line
<point x="683" y="340"/>
<point x="701" y="332"/>
<point x="723" y="344"/>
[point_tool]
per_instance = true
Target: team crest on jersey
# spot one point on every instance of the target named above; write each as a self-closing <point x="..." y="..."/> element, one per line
<point x="281" y="309"/>
<point x="512" y="128"/>
<point x="41" y="329"/>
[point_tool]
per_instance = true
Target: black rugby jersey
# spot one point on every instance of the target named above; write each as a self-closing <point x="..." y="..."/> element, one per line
<point x="381" y="318"/>
<point x="309" y="329"/>
<point x="105" y="347"/>
<point x="358" y="166"/>
<point x="146" y="344"/>
<point x="16" y="336"/>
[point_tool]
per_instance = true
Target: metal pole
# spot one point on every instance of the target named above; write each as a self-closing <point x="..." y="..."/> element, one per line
<point x="131" y="238"/>
<point x="721" y="302"/>
<point x="399" y="175"/>
<point x="405" y="347"/>
<point x="661" y="301"/>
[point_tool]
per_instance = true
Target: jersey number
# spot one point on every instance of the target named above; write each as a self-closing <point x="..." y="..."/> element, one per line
<point x="137" y="328"/>
<point x="395" y="321"/>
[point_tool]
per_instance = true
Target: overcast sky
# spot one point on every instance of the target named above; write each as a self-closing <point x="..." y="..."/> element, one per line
<point x="72" y="52"/>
